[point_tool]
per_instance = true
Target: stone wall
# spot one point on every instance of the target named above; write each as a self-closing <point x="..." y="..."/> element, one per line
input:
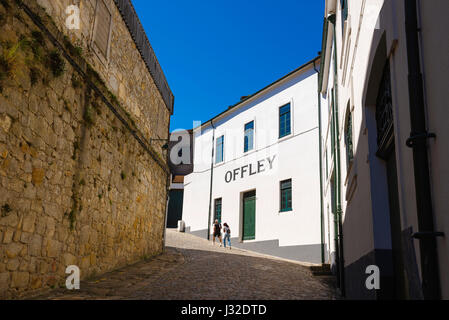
<point x="125" y="72"/>
<point x="79" y="182"/>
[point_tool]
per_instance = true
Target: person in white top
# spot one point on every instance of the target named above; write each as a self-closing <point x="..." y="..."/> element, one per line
<point x="227" y="235"/>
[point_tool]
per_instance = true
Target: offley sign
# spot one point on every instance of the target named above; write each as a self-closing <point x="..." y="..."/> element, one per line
<point x="250" y="169"/>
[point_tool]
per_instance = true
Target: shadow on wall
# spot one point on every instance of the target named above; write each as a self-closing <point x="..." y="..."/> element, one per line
<point x="392" y="248"/>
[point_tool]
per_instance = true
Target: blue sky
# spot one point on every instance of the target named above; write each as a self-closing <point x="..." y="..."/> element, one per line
<point x="213" y="52"/>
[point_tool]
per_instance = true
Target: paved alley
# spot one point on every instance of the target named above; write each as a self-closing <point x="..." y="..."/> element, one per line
<point x="194" y="269"/>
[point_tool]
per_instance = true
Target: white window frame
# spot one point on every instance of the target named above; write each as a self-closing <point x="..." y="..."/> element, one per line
<point x="254" y="137"/>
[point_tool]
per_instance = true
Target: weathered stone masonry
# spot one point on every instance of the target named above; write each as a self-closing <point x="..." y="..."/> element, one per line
<point x="79" y="182"/>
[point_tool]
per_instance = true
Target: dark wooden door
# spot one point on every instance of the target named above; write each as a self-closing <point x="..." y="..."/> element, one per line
<point x="175" y="208"/>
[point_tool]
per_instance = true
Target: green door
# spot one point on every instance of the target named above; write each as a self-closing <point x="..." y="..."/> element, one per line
<point x="249" y="215"/>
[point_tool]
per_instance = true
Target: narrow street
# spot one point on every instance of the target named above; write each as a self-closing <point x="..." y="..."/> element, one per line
<point x="192" y="268"/>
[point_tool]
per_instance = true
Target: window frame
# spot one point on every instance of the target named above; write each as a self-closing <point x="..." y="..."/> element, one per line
<point x="344" y="6"/>
<point x="222" y="149"/>
<point x="349" y="134"/>
<point x="216" y="202"/>
<point x="104" y="59"/>
<point x="244" y="136"/>
<point x="290" y="104"/>
<point x="281" y="202"/>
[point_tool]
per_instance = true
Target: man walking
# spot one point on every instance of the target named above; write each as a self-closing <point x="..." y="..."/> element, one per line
<point x="217" y="232"/>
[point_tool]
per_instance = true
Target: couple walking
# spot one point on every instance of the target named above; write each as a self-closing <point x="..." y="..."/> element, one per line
<point x="226" y="231"/>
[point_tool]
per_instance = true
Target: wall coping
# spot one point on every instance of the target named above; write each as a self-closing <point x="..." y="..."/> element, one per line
<point x="140" y="38"/>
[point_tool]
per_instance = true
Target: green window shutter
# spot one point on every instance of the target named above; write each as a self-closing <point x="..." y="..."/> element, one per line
<point x="348" y="139"/>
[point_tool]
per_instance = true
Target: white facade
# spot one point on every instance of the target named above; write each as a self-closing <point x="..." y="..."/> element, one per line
<point x="294" y="234"/>
<point x="378" y="187"/>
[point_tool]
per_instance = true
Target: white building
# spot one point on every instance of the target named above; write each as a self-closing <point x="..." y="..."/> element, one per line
<point x="384" y="146"/>
<point x="256" y="167"/>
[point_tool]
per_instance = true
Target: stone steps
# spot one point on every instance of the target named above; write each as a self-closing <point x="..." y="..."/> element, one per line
<point x="322" y="270"/>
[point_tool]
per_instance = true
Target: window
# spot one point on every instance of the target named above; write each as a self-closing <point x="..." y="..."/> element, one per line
<point x="249" y="136"/>
<point x="332" y="125"/>
<point x="348" y="139"/>
<point x="384" y="114"/>
<point x="284" y="121"/>
<point x="217" y="210"/>
<point x="344" y="11"/>
<point x="220" y="148"/>
<point x="102" y="29"/>
<point x="286" y="195"/>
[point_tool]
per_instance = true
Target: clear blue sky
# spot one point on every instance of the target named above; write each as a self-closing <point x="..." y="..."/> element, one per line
<point x="215" y="51"/>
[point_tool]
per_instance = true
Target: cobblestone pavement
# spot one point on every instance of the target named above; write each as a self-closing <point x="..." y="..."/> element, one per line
<point x="192" y="268"/>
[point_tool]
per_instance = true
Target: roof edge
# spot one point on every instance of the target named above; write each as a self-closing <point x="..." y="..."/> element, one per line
<point x="231" y="108"/>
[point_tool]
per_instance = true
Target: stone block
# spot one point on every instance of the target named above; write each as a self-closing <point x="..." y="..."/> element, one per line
<point x="13" y="265"/>
<point x="36" y="282"/>
<point x="5" y="122"/>
<point x="26" y="237"/>
<point x="29" y="222"/>
<point x="85" y="263"/>
<point x="38" y="175"/>
<point x="52" y="210"/>
<point x="35" y="246"/>
<point x="4" y="281"/>
<point x="7" y="237"/>
<point x="20" y="279"/>
<point x="53" y="248"/>
<point x="13" y="250"/>
<point x="69" y="259"/>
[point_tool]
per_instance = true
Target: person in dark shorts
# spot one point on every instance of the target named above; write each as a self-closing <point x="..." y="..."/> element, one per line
<point x="217" y="232"/>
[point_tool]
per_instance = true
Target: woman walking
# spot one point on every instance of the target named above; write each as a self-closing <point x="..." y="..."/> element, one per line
<point x="227" y="235"/>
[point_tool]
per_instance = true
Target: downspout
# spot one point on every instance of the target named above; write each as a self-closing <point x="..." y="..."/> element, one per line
<point x="166" y="212"/>
<point x="321" y="165"/>
<point x="341" y="263"/>
<point x="418" y="142"/>
<point x="211" y="179"/>
<point x="167" y="186"/>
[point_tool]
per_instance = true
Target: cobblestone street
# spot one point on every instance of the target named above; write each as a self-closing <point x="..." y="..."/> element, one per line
<point x="192" y="268"/>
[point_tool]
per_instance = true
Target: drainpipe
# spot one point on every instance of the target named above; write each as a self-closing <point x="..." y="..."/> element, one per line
<point x="418" y="142"/>
<point x="321" y="165"/>
<point x="211" y="179"/>
<point x="167" y="186"/>
<point x="340" y="263"/>
<point x="166" y="214"/>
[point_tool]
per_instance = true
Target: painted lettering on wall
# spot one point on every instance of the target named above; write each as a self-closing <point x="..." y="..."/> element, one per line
<point x="250" y="169"/>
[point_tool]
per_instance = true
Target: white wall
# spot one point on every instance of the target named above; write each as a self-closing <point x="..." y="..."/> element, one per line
<point x="296" y="158"/>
